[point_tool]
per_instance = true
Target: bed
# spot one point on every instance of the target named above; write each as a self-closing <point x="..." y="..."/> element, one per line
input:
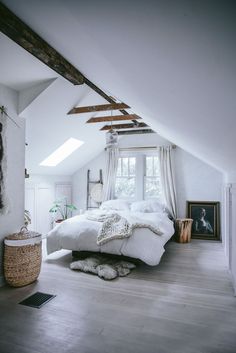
<point x="81" y="233"/>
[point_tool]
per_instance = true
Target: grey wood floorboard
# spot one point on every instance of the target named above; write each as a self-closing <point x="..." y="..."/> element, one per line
<point x="185" y="304"/>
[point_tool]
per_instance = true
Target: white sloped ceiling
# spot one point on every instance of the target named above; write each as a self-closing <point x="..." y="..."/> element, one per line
<point x="173" y="62"/>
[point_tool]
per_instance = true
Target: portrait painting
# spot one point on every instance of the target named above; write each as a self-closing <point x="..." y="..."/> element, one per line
<point x="206" y="222"/>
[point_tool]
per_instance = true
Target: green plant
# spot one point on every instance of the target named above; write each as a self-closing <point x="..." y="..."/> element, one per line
<point x="27" y="218"/>
<point x="63" y="209"/>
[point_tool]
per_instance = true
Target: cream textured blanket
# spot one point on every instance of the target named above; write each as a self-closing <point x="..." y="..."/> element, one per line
<point x="115" y="226"/>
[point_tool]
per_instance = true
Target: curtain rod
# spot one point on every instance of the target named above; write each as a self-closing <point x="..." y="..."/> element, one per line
<point x="139" y="148"/>
<point x="142" y="148"/>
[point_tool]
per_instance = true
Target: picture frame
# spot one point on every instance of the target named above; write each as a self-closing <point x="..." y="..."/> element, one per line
<point x="206" y="219"/>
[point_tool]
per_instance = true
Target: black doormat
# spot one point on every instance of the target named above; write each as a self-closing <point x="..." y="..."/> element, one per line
<point x="37" y="300"/>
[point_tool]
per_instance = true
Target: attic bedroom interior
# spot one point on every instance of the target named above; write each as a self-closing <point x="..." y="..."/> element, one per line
<point x="117" y="176"/>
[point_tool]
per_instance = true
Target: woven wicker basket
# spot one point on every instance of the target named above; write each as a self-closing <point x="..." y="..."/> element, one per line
<point x="22" y="257"/>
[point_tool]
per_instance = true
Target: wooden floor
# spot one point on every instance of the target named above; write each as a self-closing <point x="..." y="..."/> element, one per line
<point x="186" y="304"/>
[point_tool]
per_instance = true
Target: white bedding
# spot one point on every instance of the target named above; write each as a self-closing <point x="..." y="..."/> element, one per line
<point x="80" y="234"/>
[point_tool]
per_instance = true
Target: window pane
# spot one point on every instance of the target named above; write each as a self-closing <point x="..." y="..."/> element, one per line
<point x="149" y="166"/>
<point x="125" y="166"/>
<point x="152" y="187"/>
<point x="132" y="166"/>
<point x="155" y="166"/>
<point x="125" y="187"/>
<point x="126" y="178"/>
<point x="119" y="167"/>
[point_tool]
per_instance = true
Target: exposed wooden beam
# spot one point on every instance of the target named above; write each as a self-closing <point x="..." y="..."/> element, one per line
<point x="136" y="132"/>
<point x="124" y="126"/>
<point x="98" y="108"/>
<point x="100" y="119"/>
<point x="23" y="35"/>
<point x="104" y="95"/>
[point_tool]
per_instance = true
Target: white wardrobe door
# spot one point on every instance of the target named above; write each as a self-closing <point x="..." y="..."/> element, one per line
<point x="44" y="201"/>
<point x="63" y="192"/>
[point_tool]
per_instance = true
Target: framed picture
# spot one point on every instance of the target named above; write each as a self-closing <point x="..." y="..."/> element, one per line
<point x="206" y="222"/>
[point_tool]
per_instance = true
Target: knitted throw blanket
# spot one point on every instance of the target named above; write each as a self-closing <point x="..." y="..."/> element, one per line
<point x="117" y="227"/>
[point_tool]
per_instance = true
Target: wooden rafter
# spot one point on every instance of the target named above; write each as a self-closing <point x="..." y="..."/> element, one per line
<point x="98" y="108"/>
<point x="124" y="126"/>
<point x="19" y="32"/>
<point x="136" y="132"/>
<point x="100" y="119"/>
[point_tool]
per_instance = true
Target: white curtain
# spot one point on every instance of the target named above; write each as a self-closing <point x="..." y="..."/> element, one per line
<point x="112" y="155"/>
<point x="167" y="178"/>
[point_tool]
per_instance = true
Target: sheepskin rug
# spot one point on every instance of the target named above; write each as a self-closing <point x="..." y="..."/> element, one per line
<point x="104" y="267"/>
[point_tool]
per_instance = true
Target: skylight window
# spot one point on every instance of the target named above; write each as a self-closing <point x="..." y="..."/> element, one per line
<point x="62" y="152"/>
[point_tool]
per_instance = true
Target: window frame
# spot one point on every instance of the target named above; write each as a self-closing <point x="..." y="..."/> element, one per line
<point x="150" y="177"/>
<point x="140" y="173"/>
<point x="129" y="155"/>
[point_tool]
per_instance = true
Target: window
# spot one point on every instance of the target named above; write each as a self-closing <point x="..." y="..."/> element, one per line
<point x="62" y="152"/>
<point x="152" y="183"/>
<point x="138" y="177"/>
<point x="126" y="178"/>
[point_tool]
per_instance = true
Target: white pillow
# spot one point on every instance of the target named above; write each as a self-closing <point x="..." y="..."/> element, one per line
<point x="147" y="206"/>
<point x="117" y="205"/>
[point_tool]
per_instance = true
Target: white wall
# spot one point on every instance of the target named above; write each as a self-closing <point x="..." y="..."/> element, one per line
<point x="230" y="228"/>
<point x="195" y="180"/>
<point x="47" y="179"/>
<point x="79" y="180"/>
<point x="40" y="193"/>
<point x="232" y="256"/>
<point x="198" y="181"/>
<point x="15" y="152"/>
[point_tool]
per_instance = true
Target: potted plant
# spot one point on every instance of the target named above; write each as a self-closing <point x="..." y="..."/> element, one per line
<point x="62" y="209"/>
<point x="27" y="218"/>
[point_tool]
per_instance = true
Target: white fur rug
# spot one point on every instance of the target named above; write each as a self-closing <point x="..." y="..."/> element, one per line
<point x="104" y="267"/>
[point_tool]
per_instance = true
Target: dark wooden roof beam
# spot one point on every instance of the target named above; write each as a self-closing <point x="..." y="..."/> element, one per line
<point x="136" y="132"/>
<point x="20" y="33"/>
<point x="100" y="119"/>
<point x="124" y="126"/>
<point x="98" y="108"/>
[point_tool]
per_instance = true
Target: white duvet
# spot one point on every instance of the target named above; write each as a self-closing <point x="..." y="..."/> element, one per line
<point x="80" y="234"/>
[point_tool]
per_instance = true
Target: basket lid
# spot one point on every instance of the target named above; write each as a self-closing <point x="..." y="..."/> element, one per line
<point x="23" y="234"/>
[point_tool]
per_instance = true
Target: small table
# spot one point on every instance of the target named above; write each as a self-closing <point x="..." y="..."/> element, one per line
<point x="183" y="227"/>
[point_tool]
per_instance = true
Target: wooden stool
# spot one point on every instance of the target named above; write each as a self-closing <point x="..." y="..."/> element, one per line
<point x="183" y="227"/>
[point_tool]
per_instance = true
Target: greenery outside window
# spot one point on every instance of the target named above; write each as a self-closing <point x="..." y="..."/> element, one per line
<point x="138" y="177"/>
<point x="152" y="182"/>
<point x="126" y="178"/>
